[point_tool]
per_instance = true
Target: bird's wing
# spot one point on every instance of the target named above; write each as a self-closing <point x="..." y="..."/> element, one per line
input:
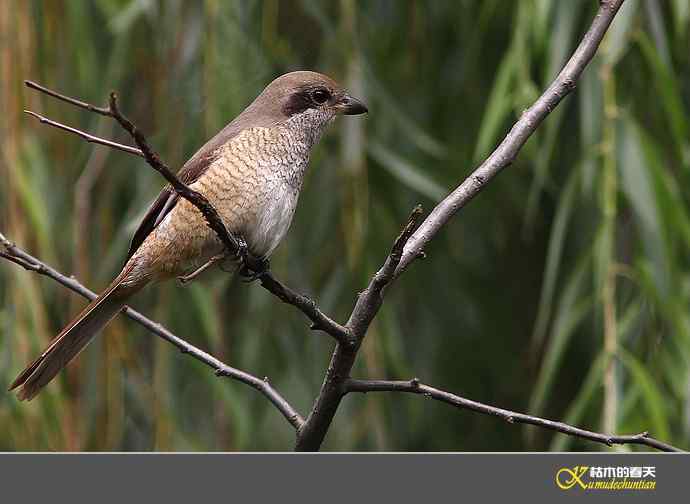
<point x="194" y="168"/>
<point x="167" y="198"/>
<point x="189" y="173"/>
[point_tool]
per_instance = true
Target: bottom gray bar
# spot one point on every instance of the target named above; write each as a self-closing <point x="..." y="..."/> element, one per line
<point x="330" y="478"/>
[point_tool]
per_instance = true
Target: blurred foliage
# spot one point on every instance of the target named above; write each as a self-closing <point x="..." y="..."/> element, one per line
<point x="562" y="290"/>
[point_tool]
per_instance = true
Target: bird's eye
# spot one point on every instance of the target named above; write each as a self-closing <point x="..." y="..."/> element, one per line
<point x="320" y="96"/>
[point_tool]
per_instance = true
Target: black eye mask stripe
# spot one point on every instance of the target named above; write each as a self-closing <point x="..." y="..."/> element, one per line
<point x="304" y="99"/>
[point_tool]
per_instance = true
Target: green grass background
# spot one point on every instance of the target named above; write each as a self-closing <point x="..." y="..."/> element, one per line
<point x="563" y="290"/>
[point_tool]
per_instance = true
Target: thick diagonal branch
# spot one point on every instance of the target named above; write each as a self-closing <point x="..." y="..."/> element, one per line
<point x="415" y="387"/>
<point x="15" y="254"/>
<point x="311" y="435"/>
<point x="371" y="298"/>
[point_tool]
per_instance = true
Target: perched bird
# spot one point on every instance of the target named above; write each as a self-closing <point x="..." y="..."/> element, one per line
<point x="251" y="172"/>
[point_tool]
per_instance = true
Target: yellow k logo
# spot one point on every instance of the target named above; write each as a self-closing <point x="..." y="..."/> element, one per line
<point x="567" y="478"/>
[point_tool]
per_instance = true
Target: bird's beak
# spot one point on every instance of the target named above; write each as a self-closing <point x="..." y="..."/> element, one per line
<point x="350" y="105"/>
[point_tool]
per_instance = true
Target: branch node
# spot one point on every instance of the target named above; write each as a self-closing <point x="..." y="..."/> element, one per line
<point x="350" y="341"/>
<point x="569" y="84"/>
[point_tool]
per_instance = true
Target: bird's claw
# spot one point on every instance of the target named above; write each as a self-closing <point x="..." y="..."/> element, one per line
<point x="251" y="268"/>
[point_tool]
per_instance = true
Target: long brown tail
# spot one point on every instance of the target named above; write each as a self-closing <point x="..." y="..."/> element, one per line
<point x="73" y="338"/>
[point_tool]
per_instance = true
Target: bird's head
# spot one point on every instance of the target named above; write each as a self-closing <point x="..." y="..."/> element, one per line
<point x="304" y="91"/>
<point x="305" y="100"/>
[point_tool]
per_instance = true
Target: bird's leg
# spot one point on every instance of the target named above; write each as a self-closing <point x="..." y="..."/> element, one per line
<point x="191" y="276"/>
<point x="242" y="248"/>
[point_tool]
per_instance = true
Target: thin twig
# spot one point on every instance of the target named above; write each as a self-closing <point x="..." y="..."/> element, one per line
<point x="15" y="254"/>
<point x="415" y="387"/>
<point x="86" y="136"/>
<point x="72" y="101"/>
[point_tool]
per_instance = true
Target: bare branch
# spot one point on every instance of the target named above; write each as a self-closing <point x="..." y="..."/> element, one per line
<point x="414" y="386"/>
<point x="311" y="435"/>
<point x="72" y="101"/>
<point x="15" y="254"/>
<point x="371" y="298"/>
<point x="320" y="321"/>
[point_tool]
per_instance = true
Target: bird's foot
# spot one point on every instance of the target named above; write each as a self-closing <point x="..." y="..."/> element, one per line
<point x="251" y="268"/>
